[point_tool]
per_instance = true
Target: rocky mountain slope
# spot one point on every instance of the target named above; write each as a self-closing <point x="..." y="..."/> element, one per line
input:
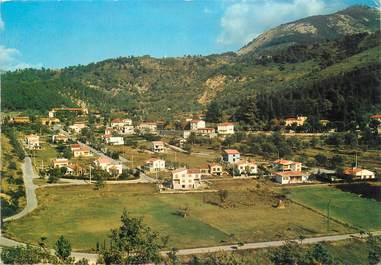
<point x="352" y="20"/>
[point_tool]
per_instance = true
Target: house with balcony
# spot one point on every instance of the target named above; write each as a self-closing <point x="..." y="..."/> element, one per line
<point x="186" y="179"/>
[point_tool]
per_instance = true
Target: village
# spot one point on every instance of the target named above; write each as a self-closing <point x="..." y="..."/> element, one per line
<point x="179" y="160"/>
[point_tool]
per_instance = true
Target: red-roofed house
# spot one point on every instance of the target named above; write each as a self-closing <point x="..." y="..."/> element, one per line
<point x="119" y="123"/>
<point x="359" y="173"/>
<point x="231" y="156"/>
<point x="211" y="132"/>
<point x="82" y="152"/>
<point x="291" y="177"/>
<point x="287" y="165"/>
<point x="108" y="165"/>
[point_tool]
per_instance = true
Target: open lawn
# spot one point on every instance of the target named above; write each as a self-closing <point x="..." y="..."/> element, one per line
<point x="86" y="216"/>
<point x="345" y="206"/>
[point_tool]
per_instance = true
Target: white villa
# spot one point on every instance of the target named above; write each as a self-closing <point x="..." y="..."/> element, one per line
<point x="60" y="162"/>
<point x="32" y="141"/>
<point x="148" y="127"/>
<point x="158" y="146"/>
<point x="114" y="140"/>
<point x="359" y="173"/>
<point x="154" y="164"/>
<point x="186" y="179"/>
<point x="119" y="123"/>
<point x="59" y="138"/>
<point x="77" y="127"/>
<point x="291" y="177"/>
<point x="244" y="167"/>
<point x="196" y="124"/>
<point x="109" y="166"/>
<point x="231" y="156"/>
<point x="225" y="128"/>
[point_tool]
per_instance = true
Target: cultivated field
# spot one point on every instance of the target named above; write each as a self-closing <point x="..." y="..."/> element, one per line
<point x="345" y="206"/>
<point x="85" y="216"/>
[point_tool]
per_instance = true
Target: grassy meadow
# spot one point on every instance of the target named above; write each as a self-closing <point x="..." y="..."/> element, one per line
<point x="85" y="216"/>
<point x="345" y="206"/>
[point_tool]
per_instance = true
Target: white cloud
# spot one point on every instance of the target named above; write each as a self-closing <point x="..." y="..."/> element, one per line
<point x="245" y="20"/>
<point x="11" y="59"/>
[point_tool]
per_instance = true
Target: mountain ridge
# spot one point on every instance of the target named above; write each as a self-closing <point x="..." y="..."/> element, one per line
<point x="354" y="19"/>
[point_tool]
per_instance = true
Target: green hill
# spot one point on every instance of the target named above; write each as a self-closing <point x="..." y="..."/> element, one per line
<point x="152" y="88"/>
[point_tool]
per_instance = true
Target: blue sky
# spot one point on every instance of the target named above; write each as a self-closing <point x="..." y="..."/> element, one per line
<point x="61" y="33"/>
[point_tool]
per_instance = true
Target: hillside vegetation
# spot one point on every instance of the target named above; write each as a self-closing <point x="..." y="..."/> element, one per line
<point x="152" y="88"/>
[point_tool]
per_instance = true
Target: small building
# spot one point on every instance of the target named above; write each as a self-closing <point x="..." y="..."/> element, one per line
<point x="157" y="146"/>
<point x="247" y="168"/>
<point x="32" y="141"/>
<point x="359" y="173"/>
<point x="204" y="169"/>
<point x="154" y="164"/>
<point x="59" y="138"/>
<point x="210" y="132"/>
<point x="215" y="169"/>
<point x="225" y="128"/>
<point x="120" y="123"/>
<point x="21" y="120"/>
<point x="287" y="165"/>
<point x="114" y="140"/>
<point x="186" y="179"/>
<point x="49" y="121"/>
<point x="60" y="162"/>
<point x="196" y="124"/>
<point x="298" y="121"/>
<point x="290" y="177"/>
<point x="77" y="127"/>
<point x="82" y="152"/>
<point x="109" y="166"/>
<point x="231" y="156"/>
<point x="148" y="127"/>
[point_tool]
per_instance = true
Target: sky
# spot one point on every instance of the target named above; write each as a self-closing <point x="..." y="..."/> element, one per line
<point x="56" y="34"/>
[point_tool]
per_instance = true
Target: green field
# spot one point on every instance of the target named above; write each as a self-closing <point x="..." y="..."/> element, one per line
<point x="85" y="216"/>
<point x="345" y="206"/>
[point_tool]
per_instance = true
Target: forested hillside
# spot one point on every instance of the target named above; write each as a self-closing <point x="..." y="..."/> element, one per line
<point x="342" y="75"/>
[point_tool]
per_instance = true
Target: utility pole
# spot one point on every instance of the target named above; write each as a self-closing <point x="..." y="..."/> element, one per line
<point x="328" y="215"/>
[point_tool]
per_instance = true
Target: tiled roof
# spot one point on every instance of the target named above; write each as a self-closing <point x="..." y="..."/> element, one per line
<point x="231" y="151"/>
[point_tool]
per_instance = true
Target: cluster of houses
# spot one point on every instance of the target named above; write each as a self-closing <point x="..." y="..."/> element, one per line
<point x="198" y="127"/>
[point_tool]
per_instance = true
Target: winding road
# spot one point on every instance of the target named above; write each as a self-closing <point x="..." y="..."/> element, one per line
<point x="30" y="188"/>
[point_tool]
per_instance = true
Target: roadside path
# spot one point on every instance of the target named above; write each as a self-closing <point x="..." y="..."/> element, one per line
<point x="30" y="187"/>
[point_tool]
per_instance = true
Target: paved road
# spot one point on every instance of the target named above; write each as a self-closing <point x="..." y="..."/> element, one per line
<point x="267" y="244"/>
<point x="30" y="187"/>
